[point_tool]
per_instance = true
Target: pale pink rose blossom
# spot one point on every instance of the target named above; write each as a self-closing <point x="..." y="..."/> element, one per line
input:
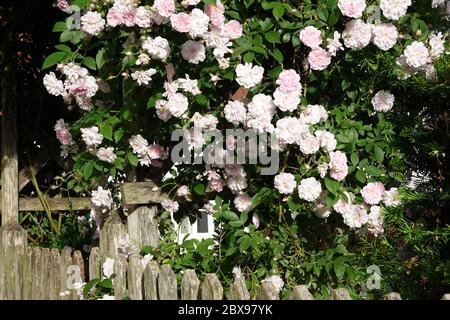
<point x="64" y="136"/>
<point x="233" y="29"/>
<point x="180" y="22"/>
<point x="114" y="17"/>
<point x="285" y="183"/>
<point x="243" y="203"/>
<point x="352" y="8"/>
<point x="319" y="59"/>
<point x="338" y="165"/>
<point x="128" y="17"/>
<point x="165" y="8"/>
<point x="183" y="191"/>
<point x="215" y="13"/>
<point x="373" y="192"/>
<point x="64" y="6"/>
<point x="311" y="37"/>
<point x="289" y="81"/>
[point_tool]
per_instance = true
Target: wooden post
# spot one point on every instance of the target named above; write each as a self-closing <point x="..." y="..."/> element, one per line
<point x="10" y="171"/>
<point x="13" y="239"/>
<point x="267" y="291"/>
<point x="211" y="288"/>
<point x="167" y="283"/>
<point x="300" y="293"/>
<point x="238" y="290"/>
<point x="120" y="280"/>
<point x="151" y="281"/>
<point x="134" y="274"/>
<point x="189" y="285"/>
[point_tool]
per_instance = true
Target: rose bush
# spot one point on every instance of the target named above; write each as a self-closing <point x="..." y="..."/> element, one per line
<point x="322" y="76"/>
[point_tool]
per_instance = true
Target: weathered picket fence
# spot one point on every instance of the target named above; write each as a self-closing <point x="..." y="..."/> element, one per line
<point x="41" y="273"/>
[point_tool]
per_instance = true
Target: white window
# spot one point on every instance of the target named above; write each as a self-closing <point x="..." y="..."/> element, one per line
<point x="201" y="228"/>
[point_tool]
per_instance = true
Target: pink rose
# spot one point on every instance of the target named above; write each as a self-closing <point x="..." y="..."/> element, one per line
<point x="352" y="8"/>
<point x="310" y="37"/>
<point x="233" y="29"/>
<point x="128" y="17"/>
<point x="215" y="13"/>
<point x="64" y="136"/>
<point x="319" y="59"/>
<point x="180" y="22"/>
<point x="372" y="192"/>
<point x="154" y="151"/>
<point x="289" y="81"/>
<point x="165" y="8"/>
<point x="114" y="17"/>
<point x="64" y="6"/>
<point x="338" y="165"/>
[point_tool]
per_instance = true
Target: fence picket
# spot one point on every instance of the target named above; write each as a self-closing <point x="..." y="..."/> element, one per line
<point x="211" y="288"/>
<point x="238" y="290"/>
<point x="189" y="285"/>
<point x="167" y="283"/>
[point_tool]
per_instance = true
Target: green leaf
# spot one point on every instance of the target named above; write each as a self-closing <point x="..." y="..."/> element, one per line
<point x="100" y="58"/>
<point x="118" y="134"/>
<point x="88" y="169"/>
<point x="354" y="158"/>
<point x="132" y="159"/>
<point x="107" y="131"/>
<point x="339" y="268"/>
<point x="59" y="26"/>
<point x="263" y="195"/>
<point x="230" y="215"/>
<point x="244" y="244"/>
<point x="278" y="11"/>
<point x="199" y="189"/>
<point x="272" y="37"/>
<point x="63" y="48"/>
<point x="53" y="59"/>
<point x="277" y="55"/>
<point x="90" y="63"/>
<point x="360" y="176"/>
<point x="332" y="185"/>
<point x="333" y="18"/>
<point x="379" y="154"/>
<point x="322" y="12"/>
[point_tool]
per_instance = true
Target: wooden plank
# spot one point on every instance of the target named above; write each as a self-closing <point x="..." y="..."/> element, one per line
<point x="13" y="239"/>
<point x="111" y="233"/>
<point x="134" y="276"/>
<point x="267" y="291"/>
<point x="300" y="293"/>
<point x="66" y="262"/>
<point x="238" y="290"/>
<point x="167" y="283"/>
<point x="78" y="262"/>
<point x="151" y="281"/>
<point x="54" y="275"/>
<point x="27" y="273"/>
<point x="143" y="228"/>
<point x="9" y="165"/>
<point x="120" y="280"/>
<point x="45" y="281"/>
<point x="94" y="263"/>
<point x="37" y="273"/>
<point x="211" y="288"/>
<point x="189" y="285"/>
<point x="340" y="294"/>
<point x="135" y="193"/>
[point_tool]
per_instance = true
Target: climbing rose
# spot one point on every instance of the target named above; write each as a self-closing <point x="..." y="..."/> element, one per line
<point x="309" y="189"/>
<point x="394" y="9"/>
<point x="373" y="192"/>
<point x="357" y="34"/>
<point x="233" y="29"/>
<point x="92" y="23"/>
<point x="383" y="101"/>
<point x="311" y="37"/>
<point x="416" y="54"/>
<point x="385" y="36"/>
<point x="243" y="203"/>
<point x="352" y="8"/>
<point x="289" y="81"/>
<point x="193" y="51"/>
<point x="338" y="165"/>
<point x="248" y="75"/>
<point x="319" y="59"/>
<point x="181" y="22"/>
<point x="285" y="183"/>
<point x="106" y="154"/>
